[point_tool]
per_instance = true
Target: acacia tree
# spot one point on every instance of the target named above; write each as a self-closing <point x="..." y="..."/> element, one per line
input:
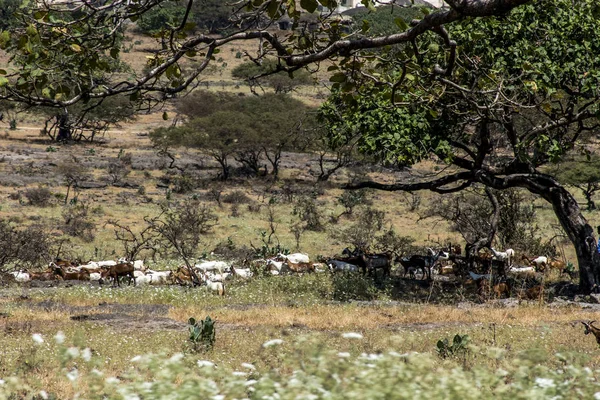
<point x="584" y="175"/>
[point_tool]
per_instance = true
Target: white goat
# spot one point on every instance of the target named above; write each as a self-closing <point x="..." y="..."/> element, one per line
<point x="95" y="276"/>
<point x="341" y="266"/>
<point x="212" y="266"/>
<point x="507" y="255"/>
<point x="242" y="272"/>
<point x="21" y="276"/>
<point x="217" y="287"/>
<point x="296" y="258"/>
<point x="108" y="263"/>
<point x="521" y="271"/>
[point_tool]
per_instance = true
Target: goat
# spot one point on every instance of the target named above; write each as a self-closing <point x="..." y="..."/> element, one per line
<point x="295" y="258"/>
<point x="212" y="266"/>
<point x="218" y="287"/>
<point x="299" y="267"/>
<point x="341" y="266"/>
<point x="21" y="276"/>
<point x="557" y="264"/>
<point x="540" y="261"/>
<point x="533" y="293"/>
<point x="501" y="288"/>
<point x="506" y="256"/>
<point x="119" y="270"/>
<point x="82" y="275"/>
<point x="44" y="276"/>
<point x="424" y="263"/>
<point x="242" y="272"/>
<point x="108" y="263"/>
<point x="521" y="272"/>
<point x="590" y="328"/>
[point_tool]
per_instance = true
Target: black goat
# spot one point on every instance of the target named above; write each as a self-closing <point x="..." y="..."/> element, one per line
<point x="590" y="328"/>
<point x="416" y="262"/>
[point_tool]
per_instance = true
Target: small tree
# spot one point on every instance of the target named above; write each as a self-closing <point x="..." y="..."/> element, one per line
<point x="584" y="175"/>
<point x="136" y="241"/>
<point x="24" y="246"/>
<point x="180" y="228"/>
<point x="74" y="173"/>
<point x="272" y="75"/>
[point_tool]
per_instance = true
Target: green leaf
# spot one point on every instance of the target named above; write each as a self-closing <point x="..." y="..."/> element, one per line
<point x="309" y="5"/>
<point x="3" y="81"/>
<point x="338" y="77"/>
<point x="400" y="23"/>
<point x="76" y="48"/>
<point x="2" y="72"/>
<point x="114" y="53"/>
<point x="192" y="321"/>
<point x="165" y="116"/>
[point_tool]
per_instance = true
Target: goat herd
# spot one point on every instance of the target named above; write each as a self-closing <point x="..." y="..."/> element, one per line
<point x="495" y="269"/>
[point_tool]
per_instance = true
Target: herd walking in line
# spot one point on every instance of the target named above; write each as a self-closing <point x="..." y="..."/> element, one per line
<point x="491" y="272"/>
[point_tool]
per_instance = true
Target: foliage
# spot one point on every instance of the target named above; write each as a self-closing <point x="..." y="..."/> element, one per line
<point x="354" y="287"/>
<point x="211" y="16"/>
<point x="180" y="228"/>
<point x="459" y="346"/>
<point x="313" y="369"/>
<point x="77" y="221"/>
<point x="9" y="17"/>
<point x="361" y="233"/>
<point x="24" y="246"/>
<point x="469" y="213"/>
<point x="226" y="126"/>
<point x="281" y="82"/>
<point x="39" y="197"/>
<point x="384" y="19"/>
<point x="202" y="334"/>
<point x="584" y="174"/>
<point x="306" y="208"/>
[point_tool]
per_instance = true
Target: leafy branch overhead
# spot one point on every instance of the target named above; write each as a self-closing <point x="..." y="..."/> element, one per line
<point x="68" y="52"/>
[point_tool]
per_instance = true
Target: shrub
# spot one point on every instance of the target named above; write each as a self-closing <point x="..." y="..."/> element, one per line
<point x="39" y="197"/>
<point x="236" y="197"/>
<point x="77" y="222"/>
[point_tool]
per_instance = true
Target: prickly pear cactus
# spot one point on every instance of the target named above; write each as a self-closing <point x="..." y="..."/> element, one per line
<point x="202" y="334"/>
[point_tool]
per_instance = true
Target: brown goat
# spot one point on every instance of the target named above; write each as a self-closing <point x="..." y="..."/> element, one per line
<point x="299" y="267"/>
<point x="119" y="270"/>
<point x="44" y="276"/>
<point x="501" y="289"/>
<point x="590" y="328"/>
<point x="82" y="275"/>
<point x="533" y="293"/>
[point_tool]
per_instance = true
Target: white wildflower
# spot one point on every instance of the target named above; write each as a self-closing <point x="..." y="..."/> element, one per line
<point x="97" y="372"/>
<point x="272" y="342"/>
<point x="43" y="394"/>
<point x="176" y="358"/>
<point x="248" y="366"/>
<point x="72" y="375"/>
<point x="343" y="354"/>
<point x="60" y="337"/>
<point x="136" y="359"/>
<point x="218" y="397"/>
<point x="545" y="383"/>
<point x="250" y="382"/>
<point x="37" y="338"/>
<point x="352" y="335"/>
<point x="112" y="380"/>
<point x="205" y="363"/>
<point x="2" y="382"/>
<point x="86" y="354"/>
<point x="73" y="352"/>
<point x="239" y="373"/>
<point x="597" y="396"/>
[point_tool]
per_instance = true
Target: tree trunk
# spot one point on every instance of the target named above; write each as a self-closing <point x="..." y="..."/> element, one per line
<point x="581" y="235"/>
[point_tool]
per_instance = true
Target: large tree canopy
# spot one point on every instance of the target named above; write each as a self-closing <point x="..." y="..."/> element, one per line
<point x="67" y="50"/>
